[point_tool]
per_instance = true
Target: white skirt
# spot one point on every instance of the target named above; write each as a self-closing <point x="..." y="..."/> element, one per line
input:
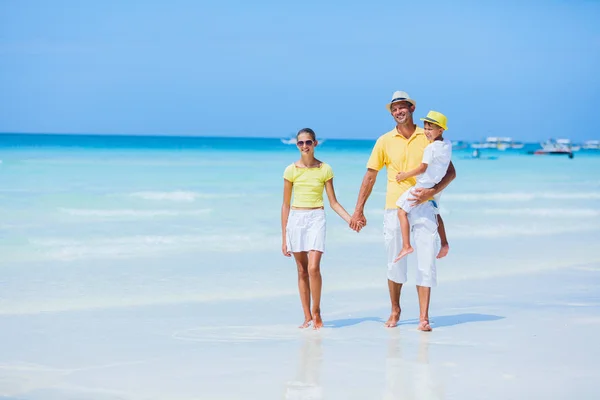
<point x="305" y="230"/>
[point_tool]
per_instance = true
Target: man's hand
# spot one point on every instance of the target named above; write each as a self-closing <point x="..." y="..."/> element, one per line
<point x="401" y="176"/>
<point x="358" y="221"/>
<point x="284" y="250"/>
<point x="420" y="195"/>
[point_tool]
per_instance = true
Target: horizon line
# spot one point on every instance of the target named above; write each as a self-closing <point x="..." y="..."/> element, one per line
<point x="141" y="135"/>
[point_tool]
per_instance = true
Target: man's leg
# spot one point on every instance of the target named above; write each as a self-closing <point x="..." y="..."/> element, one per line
<point x="424" y="294"/>
<point x="425" y="237"/>
<point x="396" y="270"/>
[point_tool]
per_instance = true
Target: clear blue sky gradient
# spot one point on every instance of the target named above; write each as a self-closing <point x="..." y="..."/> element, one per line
<point x="526" y="69"/>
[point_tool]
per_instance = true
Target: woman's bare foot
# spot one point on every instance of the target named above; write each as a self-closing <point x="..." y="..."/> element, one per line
<point x="317" y="321"/>
<point x="392" y="321"/>
<point x="404" y="252"/>
<point x="443" y="251"/>
<point x="306" y="323"/>
<point x="424" y="326"/>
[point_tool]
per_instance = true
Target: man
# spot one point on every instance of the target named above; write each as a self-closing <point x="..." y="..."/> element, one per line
<point x="401" y="149"/>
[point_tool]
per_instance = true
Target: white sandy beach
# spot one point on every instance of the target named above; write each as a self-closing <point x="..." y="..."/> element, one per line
<point x="524" y="336"/>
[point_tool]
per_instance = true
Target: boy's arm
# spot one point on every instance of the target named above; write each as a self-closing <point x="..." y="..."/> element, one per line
<point x="409" y="174"/>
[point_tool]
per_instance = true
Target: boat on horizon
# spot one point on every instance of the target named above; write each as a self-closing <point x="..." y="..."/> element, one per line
<point x="557" y="147"/>
<point x="499" y="143"/>
<point x="591" y="145"/>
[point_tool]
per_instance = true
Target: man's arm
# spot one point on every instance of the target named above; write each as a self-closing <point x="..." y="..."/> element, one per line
<point x="358" y="220"/>
<point x="421" y="195"/>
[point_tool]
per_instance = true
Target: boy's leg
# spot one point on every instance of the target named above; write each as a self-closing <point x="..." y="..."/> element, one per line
<point x="443" y="239"/>
<point x="405" y="229"/>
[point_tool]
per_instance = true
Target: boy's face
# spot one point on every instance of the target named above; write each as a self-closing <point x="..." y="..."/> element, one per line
<point x="432" y="131"/>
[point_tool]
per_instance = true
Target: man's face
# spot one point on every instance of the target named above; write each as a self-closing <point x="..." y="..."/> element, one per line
<point x="432" y="131"/>
<point x="402" y="112"/>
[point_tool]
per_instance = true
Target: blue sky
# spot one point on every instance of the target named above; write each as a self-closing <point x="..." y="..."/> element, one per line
<point x="526" y="69"/>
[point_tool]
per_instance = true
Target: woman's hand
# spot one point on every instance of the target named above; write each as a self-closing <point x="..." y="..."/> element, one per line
<point x="285" y="251"/>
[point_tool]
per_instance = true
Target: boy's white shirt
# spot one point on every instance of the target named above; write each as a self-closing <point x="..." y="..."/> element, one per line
<point x="437" y="156"/>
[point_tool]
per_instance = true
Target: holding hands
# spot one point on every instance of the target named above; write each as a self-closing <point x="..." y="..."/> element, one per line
<point x="358" y="221"/>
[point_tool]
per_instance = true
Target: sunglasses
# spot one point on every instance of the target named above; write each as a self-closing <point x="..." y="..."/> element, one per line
<point x="301" y="143"/>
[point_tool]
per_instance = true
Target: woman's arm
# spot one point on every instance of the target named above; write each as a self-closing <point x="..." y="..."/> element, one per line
<point x="409" y="174"/>
<point x="335" y="205"/>
<point x="285" y="212"/>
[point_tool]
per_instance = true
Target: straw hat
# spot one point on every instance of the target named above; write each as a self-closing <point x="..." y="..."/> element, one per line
<point x="436" y="118"/>
<point x="400" y="96"/>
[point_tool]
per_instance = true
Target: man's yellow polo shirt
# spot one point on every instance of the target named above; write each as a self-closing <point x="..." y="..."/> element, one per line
<point x="396" y="153"/>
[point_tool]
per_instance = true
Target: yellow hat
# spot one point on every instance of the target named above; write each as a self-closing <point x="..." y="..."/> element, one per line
<point x="436" y="118"/>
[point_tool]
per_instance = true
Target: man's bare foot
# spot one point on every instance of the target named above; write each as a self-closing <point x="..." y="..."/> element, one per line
<point x="392" y="322"/>
<point x="306" y="323"/>
<point x="404" y="252"/>
<point x="317" y="321"/>
<point x="443" y="251"/>
<point x="424" y="326"/>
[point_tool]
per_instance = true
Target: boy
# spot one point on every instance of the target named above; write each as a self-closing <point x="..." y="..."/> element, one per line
<point x="436" y="159"/>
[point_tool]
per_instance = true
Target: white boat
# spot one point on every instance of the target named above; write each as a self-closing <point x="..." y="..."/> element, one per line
<point x="591" y="145"/>
<point x="557" y="147"/>
<point x="459" y="144"/>
<point x="500" y="143"/>
<point x="560" y="144"/>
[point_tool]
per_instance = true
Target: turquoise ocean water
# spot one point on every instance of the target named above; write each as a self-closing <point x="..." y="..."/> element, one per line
<point x="112" y="221"/>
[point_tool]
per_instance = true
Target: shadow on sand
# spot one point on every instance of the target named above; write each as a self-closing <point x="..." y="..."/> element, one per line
<point x="342" y="323"/>
<point x="439" y="321"/>
<point x="451" y="320"/>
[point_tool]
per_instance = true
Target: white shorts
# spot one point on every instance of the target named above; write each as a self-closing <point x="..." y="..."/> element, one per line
<point x="407" y="205"/>
<point x="423" y="220"/>
<point x="305" y="230"/>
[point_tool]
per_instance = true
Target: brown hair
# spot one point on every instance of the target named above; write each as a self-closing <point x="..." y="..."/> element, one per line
<point x="309" y="131"/>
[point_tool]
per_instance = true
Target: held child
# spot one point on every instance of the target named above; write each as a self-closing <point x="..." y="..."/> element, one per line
<point x="436" y="159"/>
<point x="303" y="224"/>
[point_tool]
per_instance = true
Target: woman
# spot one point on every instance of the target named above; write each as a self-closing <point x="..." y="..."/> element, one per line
<point x="303" y="224"/>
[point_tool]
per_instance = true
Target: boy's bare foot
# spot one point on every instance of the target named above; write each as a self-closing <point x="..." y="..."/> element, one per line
<point x="317" y="321"/>
<point x="404" y="252"/>
<point x="443" y="251"/>
<point x="392" y="321"/>
<point x="306" y="324"/>
<point x="424" y="326"/>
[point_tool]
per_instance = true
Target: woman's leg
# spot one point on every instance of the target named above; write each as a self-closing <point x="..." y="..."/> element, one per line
<point x="303" y="286"/>
<point x="314" y="273"/>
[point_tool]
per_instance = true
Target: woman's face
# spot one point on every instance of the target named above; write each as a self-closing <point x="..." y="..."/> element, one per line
<point x="305" y="143"/>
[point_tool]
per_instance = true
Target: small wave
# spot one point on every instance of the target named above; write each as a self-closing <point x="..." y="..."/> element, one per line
<point x="516" y="231"/>
<point x="544" y="212"/>
<point x="119" y="213"/>
<point x="68" y="249"/>
<point x="519" y="196"/>
<point x="182" y="196"/>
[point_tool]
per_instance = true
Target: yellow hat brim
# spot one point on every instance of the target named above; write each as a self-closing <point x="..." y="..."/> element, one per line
<point x="433" y="121"/>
